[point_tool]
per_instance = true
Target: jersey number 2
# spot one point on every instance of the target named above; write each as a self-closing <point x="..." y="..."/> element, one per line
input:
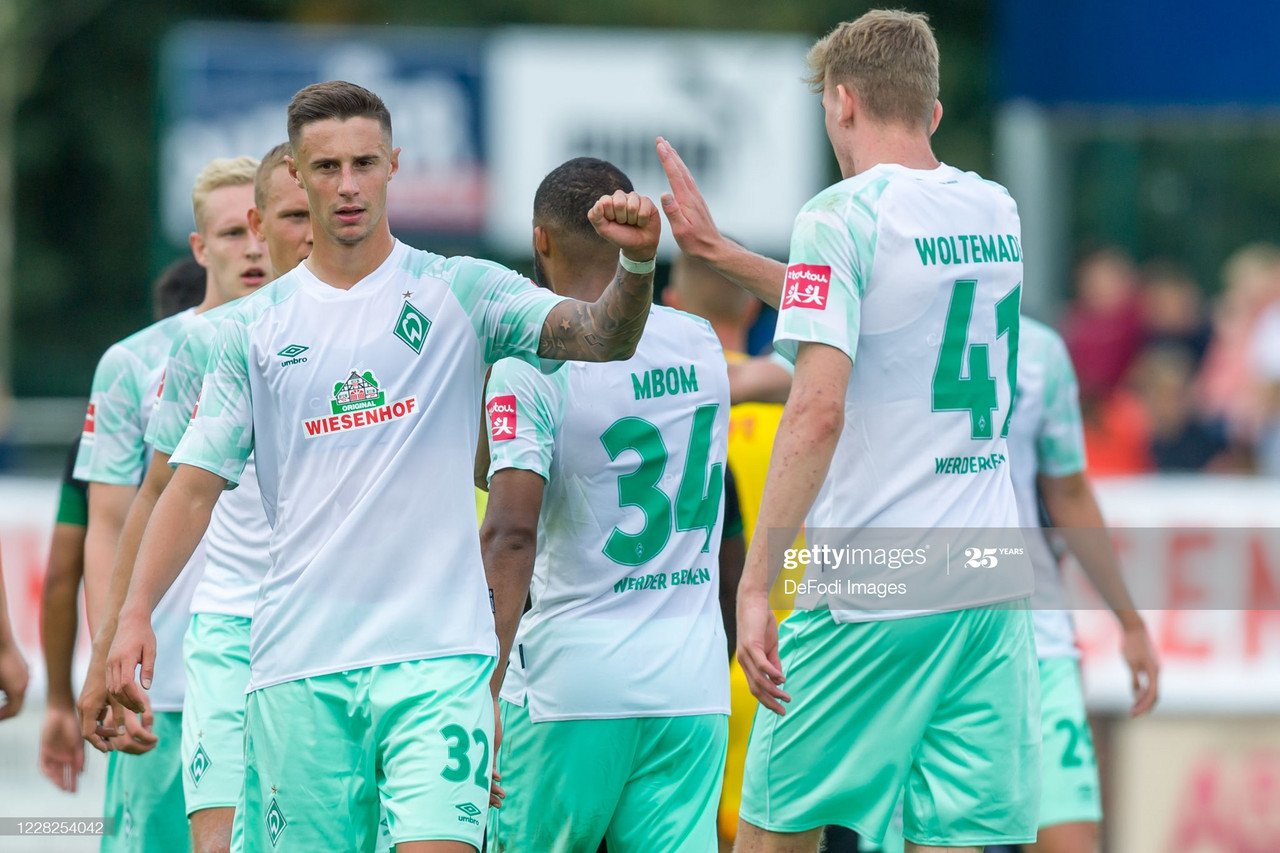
<point x="975" y="393"/>
<point x="697" y="503"/>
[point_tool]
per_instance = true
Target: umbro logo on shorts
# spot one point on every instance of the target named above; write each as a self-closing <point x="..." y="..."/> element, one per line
<point x="469" y="813"/>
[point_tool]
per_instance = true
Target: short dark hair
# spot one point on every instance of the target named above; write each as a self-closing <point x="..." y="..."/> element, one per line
<point x="178" y="287"/>
<point x="567" y="194"/>
<point x="334" y="99"/>
<point x="272" y="160"/>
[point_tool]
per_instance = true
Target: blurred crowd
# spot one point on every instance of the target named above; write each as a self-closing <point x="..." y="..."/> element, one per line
<point x="1172" y="381"/>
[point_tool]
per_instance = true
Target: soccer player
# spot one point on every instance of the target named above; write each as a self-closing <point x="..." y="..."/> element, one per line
<point x="13" y="668"/>
<point x="904" y="361"/>
<point x="216" y="646"/>
<point x="1046" y="452"/>
<point x="178" y="287"/>
<point x="617" y="686"/>
<point x="372" y="639"/>
<point x="144" y="793"/>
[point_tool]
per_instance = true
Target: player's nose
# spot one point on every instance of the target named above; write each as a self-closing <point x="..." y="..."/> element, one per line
<point x="348" y="186"/>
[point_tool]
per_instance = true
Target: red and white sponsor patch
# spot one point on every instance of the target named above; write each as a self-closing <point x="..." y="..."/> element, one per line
<point x="160" y="388"/>
<point x="89" y="419"/>
<point x="502" y="417"/>
<point x="806" y="286"/>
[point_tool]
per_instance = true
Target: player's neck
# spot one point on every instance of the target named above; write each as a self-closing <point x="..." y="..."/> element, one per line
<point x="884" y="143"/>
<point x="342" y="266"/>
<point x="732" y="338"/>
<point x="584" y="281"/>
<point x="212" y="297"/>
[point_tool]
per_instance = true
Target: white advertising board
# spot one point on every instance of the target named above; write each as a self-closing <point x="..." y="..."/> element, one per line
<point x="733" y="105"/>
<point x="1205" y="531"/>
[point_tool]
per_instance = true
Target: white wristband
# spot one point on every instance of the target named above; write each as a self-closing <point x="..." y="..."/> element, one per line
<point x="637" y="267"/>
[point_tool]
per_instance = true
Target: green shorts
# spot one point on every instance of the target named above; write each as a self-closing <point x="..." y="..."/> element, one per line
<point x="326" y="758"/>
<point x="647" y="784"/>
<point x="144" y="794"/>
<point x="1069" y="770"/>
<point x="216" y="648"/>
<point x="942" y="709"/>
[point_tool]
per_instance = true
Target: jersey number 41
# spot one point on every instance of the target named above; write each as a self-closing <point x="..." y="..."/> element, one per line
<point x="975" y="393"/>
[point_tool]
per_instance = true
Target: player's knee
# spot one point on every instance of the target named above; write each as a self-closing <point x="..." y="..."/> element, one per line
<point x="207" y="844"/>
<point x="1077" y="837"/>
<point x="211" y="831"/>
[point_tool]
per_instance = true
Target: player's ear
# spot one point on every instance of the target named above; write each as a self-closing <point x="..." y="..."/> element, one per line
<point x="541" y="241"/>
<point x="936" y="119"/>
<point x="196" y="242"/>
<point x="395" y="162"/>
<point x="255" y="223"/>
<point x="847" y="104"/>
<point x="292" y="165"/>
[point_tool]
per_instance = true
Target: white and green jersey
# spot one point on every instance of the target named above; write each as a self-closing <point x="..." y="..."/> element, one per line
<point x="626" y="616"/>
<point x="237" y="541"/>
<point x="114" y="451"/>
<point x="360" y="409"/>
<point x="916" y="275"/>
<point x="1045" y="437"/>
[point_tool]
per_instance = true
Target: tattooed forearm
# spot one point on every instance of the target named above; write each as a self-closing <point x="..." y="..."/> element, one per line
<point x="605" y="330"/>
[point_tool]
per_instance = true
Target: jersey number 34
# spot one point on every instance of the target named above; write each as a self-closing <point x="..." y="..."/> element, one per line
<point x="697" y="501"/>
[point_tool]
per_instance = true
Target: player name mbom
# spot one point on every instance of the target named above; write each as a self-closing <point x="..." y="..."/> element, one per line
<point x="664" y="383"/>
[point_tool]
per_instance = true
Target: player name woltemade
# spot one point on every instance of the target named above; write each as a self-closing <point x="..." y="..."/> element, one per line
<point x="969" y="249"/>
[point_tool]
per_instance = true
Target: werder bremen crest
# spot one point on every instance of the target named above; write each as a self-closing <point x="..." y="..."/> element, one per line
<point x="359" y="391"/>
<point x="199" y="764"/>
<point x="412" y="326"/>
<point x="275" y="822"/>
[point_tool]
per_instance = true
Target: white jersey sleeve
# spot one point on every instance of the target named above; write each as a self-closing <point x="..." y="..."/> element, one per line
<point x="825" y="281"/>
<point x="524" y="408"/>
<point x="505" y="308"/>
<point x="111" y="446"/>
<point x="220" y="437"/>
<point x="178" y="393"/>
<point x="1060" y="442"/>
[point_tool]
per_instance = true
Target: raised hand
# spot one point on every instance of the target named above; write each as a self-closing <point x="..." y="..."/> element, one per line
<point x="687" y="212"/>
<point x="629" y="221"/>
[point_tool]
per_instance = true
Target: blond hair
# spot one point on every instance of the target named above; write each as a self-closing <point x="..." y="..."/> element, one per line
<point x="223" y="172"/>
<point x="271" y="161"/>
<point x="890" y="58"/>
